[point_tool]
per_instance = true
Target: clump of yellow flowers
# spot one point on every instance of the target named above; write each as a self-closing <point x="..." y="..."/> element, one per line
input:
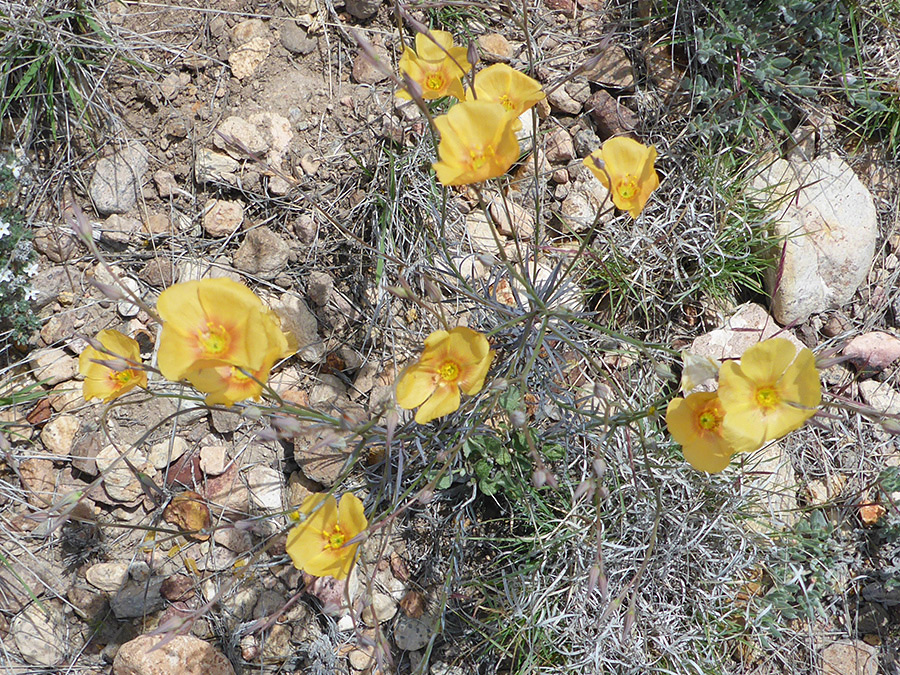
<point x="773" y="390"/>
<point x="216" y="335"/>
<point x="478" y="139"/>
<point x="478" y="134"/>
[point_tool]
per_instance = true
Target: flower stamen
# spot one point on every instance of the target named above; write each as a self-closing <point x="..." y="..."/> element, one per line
<point x="767" y="397"/>
<point x="449" y="372"/>
<point x="628" y="187"/>
<point x="214" y="340"/>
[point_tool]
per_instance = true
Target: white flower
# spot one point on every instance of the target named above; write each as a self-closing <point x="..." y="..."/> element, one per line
<point x="31" y="294"/>
<point x="4" y="228"/>
<point x="5" y="276"/>
<point x="31" y="269"/>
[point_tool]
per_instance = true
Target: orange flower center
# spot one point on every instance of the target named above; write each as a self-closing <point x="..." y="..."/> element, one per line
<point x="767" y="397"/>
<point x="506" y="103"/>
<point x="481" y="156"/>
<point x="710" y="419"/>
<point x="449" y="372"/>
<point x="214" y="340"/>
<point x="434" y="82"/>
<point x="628" y="187"/>
<point x="121" y="378"/>
<point x="335" y="538"/>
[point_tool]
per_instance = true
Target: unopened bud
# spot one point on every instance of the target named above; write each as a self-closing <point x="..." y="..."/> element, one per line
<point x="602" y="391"/>
<point x="518" y="419"/>
<point x="892" y="426"/>
<point x="500" y="384"/>
<point x="400" y="292"/>
<point x="251" y="412"/>
<point x="426" y="495"/>
<point x="585" y="488"/>
<point x="413" y="88"/>
<point x="664" y="372"/>
<point x="472" y="54"/>
<point x="630" y="616"/>
<point x="594" y="578"/>
<point x="286" y="424"/>
<point x="603" y="492"/>
<point x="432" y="291"/>
<point x="487" y="259"/>
<point x="599" y="465"/>
<point x="539" y="478"/>
<point x="111" y="292"/>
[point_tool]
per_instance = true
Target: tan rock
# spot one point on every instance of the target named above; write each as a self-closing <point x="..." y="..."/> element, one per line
<point x="613" y="69"/>
<point x="245" y="31"/>
<point x="54" y="365"/>
<point x="222" y="217"/>
<point x="248" y="57"/>
<point x="39" y="480"/>
<point x="494" y="47"/>
<point x="849" y="657"/>
<point x="58" y="434"/>
<point x="183" y="655"/>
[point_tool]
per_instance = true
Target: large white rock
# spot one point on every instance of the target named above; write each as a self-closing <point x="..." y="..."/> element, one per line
<point x="827" y="218"/>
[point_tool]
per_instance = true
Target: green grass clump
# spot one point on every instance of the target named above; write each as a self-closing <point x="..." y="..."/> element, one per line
<point x="50" y="57"/>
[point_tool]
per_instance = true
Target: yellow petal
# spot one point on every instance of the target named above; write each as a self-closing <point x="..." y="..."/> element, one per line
<point x="765" y="362"/>
<point x="330" y="562"/>
<point x="505" y="85"/>
<point x="593" y="162"/>
<point x="801" y="381"/>
<point x="428" y="50"/>
<point x="711" y="457"/>
<point x="351" y="515"/>
<point x="736" y="391"/>
<point x="624" y="155"/>
<point x="415" y="384"/>
<point x="477" y="143"/>
<point x="120" y="345"/>
<point x="704" y="449"/>
<point x="748" y="425"/>
<point x="443" y="401"/>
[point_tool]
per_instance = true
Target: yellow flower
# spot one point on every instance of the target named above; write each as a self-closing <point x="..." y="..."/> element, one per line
<point x="226" y="385"/>
<point x="697" y="423"/>
<point x="630" y="167"/>
<point x="477" y="143"/>
<point x="438" y="71"/>
<point x="318" y="545"/>
<point x="451" y="361"/>
<point x="211" y="323"/>
<point x="102" y="381"/>
<point x="514" y="90"/>
<point x="773" y="391"/>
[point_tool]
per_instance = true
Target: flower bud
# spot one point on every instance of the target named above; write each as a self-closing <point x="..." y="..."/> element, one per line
<point x="599" y="465"/>
<point x="500" y="384"/>
<point x="251" y="412"/>
<point x="539" y="478"/>
<point x="487" y="259"/>
<point x="585" y="488"/>
<point x="518" y="419"/>
<point x="472" y="53"/>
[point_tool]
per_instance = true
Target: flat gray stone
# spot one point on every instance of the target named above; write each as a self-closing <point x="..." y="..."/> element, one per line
<point x="116" y="183"/>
